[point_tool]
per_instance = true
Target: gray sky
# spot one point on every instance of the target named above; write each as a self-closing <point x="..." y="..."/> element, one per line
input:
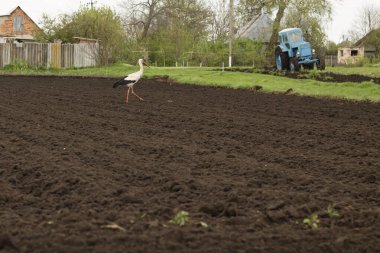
<point x="345" y="12"/>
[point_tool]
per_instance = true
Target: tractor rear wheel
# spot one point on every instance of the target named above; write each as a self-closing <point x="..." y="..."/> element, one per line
<point x="294" y="65"/>
<point x="321" y="63"/>
<point x="282" y="59"/>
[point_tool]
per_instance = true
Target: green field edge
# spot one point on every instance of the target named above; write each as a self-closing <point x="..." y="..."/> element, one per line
<point x="365" y="91"/>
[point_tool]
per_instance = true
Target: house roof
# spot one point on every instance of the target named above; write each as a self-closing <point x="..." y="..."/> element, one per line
<point x="259" y="28"/>
<point x="18" y="7"/>
<point x="363" y="40"/>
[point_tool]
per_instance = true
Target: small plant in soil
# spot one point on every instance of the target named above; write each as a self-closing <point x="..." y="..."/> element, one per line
<point x="312" y="221"/>
<point x="203" y="224"/>
<point x="333" y="214"/>
<point x="180" y="218"/>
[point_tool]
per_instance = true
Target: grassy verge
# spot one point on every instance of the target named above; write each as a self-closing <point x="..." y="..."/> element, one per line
<point x="208" y="76"/>
<point x="352" y="91"/>
<point x="373" y="70"/>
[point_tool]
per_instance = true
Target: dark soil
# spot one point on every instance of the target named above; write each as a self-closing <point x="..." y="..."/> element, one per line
<point x="320" y="76"/>
<point x="75" y="161"/>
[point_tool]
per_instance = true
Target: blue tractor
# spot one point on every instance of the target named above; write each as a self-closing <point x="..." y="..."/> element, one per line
<point x="294" y="52"/>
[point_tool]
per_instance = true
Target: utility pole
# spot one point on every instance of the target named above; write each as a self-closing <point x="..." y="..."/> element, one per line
<point x="91" y="3"/>
<point x="231" y="16"/>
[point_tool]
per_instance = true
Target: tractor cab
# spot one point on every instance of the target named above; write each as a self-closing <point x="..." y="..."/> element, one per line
<point x="291" y="37"/>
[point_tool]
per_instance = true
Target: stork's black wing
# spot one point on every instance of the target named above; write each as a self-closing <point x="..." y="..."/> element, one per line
<point x="123" y="82"/>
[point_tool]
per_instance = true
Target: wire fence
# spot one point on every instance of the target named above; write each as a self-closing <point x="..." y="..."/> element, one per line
<point x="209" y="59"/>
<point x="56" y="55"/>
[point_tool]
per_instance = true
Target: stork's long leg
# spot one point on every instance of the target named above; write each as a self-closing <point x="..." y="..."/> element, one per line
<point x="137" y="95"/>
<point x="126" y="100"/>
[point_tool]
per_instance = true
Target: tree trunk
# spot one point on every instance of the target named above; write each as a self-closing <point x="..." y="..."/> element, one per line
<point x="152" y="12"/>
<point x="148" y="22"/>
<point x="276" y="28"/>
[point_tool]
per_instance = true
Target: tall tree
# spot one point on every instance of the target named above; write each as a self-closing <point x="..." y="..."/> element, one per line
<point x="247" y="9"/>
<point x="142" y="14"/>
<point x="185" y="24"/>
<point x="218" y="28"/>
<point x="96" y="23"/>
<point x="312" y="10"/>
<point x="176" y="26"/>
<point x="308" y="15"/>
<point x="281" y="6"/>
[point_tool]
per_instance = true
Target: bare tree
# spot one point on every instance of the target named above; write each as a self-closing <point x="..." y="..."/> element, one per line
<point x="141" y="14"/>
<point x="370" y="18"/>
<point x="219" y="17"/>
<point x="367" y="21"/>
<point x="247" y="9"/>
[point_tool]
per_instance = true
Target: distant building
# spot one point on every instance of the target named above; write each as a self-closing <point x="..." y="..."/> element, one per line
<point x="258" y="29"/>
<point x="350" y="55"/>
<point x="17" y="26"/>
<point x="362" y="48"/>
<point x="369" y="49"/>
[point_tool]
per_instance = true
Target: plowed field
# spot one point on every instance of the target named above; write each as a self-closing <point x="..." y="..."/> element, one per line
<point x="81" y="171"/>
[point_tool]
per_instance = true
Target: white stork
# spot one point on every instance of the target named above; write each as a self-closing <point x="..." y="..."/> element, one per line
<point x="131" y="79"/>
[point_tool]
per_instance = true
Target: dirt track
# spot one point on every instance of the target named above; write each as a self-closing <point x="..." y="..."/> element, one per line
<point x="74" y="158"/>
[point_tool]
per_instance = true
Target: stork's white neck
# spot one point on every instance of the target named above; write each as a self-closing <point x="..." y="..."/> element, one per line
<point x="141" y="67"/>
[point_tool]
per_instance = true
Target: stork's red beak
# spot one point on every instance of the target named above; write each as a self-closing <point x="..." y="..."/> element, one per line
<point x="146" y="64"/>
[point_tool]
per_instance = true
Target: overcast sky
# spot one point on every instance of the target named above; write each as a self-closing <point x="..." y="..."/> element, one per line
<point x="344" y="12"/>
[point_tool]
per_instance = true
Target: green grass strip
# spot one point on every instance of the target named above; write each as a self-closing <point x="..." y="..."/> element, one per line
<point x="213" y="77"/>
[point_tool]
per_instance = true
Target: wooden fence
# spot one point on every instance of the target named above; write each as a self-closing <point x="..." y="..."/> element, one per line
<point x="49" y="55"/>
<point x="331" y="60"/>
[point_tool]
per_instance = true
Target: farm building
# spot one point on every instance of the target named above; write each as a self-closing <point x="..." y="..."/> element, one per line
<point x="17" y="26"/>
<point x="366" y="43"/>
<point x="362" y="48"/>
<point x="350" y="55"/>
<point x="258" y="29"/>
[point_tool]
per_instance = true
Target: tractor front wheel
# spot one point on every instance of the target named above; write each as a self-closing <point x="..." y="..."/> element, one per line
<point x="309" y="66"/>
<point x="294" y="65"/>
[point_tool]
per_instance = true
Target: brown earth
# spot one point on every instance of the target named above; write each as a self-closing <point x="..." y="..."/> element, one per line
<point x="74" y="159"/>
